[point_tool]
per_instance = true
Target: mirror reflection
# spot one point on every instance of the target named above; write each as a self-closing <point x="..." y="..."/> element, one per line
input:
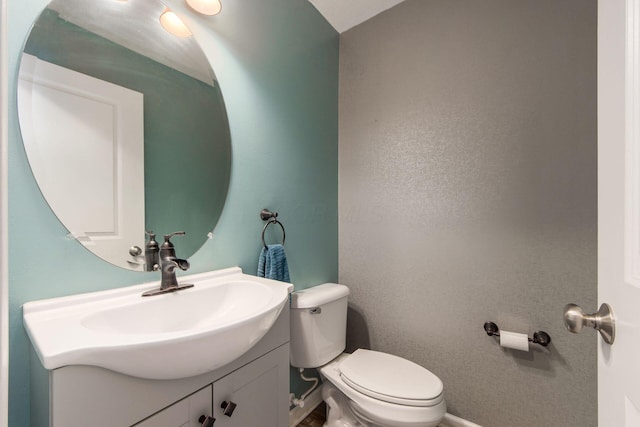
<point x="124" y="126"/>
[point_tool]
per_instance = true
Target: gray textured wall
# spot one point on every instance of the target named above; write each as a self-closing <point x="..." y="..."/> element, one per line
<point x="467" y="192"/>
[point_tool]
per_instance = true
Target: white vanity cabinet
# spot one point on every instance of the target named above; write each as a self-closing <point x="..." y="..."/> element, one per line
<point x="249" y="396"/>
<point x="257" y="383"/>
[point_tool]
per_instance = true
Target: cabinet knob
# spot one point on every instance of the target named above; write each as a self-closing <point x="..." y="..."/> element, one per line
<point x="228" y="407"/>
<point x="206" y="421"/>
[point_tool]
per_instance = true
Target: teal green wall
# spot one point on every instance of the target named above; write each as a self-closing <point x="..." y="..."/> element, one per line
<point x="277" y="64"/>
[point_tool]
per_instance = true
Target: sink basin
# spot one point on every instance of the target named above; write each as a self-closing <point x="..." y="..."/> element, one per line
<point x="169" y="336"/>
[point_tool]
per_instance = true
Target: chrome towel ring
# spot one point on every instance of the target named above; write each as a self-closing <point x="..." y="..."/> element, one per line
<point x="270" y="217"/>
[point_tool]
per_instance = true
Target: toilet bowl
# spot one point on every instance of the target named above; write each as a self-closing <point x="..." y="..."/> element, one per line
<point x="366" y="388"/>
<point x="419" y="404"/>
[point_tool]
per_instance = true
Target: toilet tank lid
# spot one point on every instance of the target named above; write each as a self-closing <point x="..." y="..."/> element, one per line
<point x="318" y="295"/>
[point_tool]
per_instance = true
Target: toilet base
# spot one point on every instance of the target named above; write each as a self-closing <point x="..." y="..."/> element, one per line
<point x="339" y="413"/>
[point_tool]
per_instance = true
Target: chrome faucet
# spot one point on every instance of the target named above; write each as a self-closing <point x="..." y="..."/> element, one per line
<point x="168" y="264"/>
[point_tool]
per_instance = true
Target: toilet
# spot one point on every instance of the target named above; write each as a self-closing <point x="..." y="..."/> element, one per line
<point x="366" y="388"/>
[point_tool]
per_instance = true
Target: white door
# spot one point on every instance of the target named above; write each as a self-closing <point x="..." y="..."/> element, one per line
<point x="619" y="210"/>
<point x="85" y="141"/>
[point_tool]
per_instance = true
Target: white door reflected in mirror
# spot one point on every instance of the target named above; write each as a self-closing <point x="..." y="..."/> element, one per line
<point x="81" y="126"/>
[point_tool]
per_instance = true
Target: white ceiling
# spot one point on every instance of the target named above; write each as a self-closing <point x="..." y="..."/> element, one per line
<point x="345" y="14"/>
<point x="136" y="26"/>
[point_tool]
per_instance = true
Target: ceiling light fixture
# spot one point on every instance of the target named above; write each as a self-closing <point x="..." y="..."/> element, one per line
<point x="206" y="7"/>
<point x="173" y="24"/>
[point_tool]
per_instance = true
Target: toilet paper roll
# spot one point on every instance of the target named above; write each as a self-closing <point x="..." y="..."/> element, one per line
<point x="514" y="340"/>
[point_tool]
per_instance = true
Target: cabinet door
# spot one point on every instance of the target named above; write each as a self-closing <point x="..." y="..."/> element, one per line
<point x="184" y="413"/>
<point x="260" y="391"/>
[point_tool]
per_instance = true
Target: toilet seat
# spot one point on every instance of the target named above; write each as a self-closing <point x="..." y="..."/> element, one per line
<point x="391" y="379"/>
<point x="377" y="411"/>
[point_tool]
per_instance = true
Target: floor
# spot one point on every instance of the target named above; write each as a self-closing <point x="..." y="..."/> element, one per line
<point x="316" y="418"/>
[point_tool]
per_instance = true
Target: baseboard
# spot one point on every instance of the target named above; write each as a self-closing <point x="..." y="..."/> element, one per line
<point x="453" y="421"/>
<point x="297" y="414"/>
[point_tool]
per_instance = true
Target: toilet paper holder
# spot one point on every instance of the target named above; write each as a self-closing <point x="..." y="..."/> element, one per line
<point x="539" y="337"/>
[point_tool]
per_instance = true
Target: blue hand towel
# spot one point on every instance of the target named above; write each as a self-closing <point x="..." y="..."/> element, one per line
<point x="272" y="263"/>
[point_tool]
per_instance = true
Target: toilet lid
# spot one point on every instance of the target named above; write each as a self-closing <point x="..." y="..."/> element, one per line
<point x="390" y="378"/>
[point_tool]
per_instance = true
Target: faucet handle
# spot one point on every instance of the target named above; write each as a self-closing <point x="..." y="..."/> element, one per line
<point x="175" y="233"/>
<point x="167" y="244"/>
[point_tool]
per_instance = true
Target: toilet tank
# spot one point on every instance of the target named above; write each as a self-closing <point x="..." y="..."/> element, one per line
<point x="318" y="324"/>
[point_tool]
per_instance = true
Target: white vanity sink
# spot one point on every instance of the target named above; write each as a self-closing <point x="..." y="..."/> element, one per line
<point x="169" y="336"/>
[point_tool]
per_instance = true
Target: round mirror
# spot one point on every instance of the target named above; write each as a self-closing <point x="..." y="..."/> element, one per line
<point x="124" y="126"/>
